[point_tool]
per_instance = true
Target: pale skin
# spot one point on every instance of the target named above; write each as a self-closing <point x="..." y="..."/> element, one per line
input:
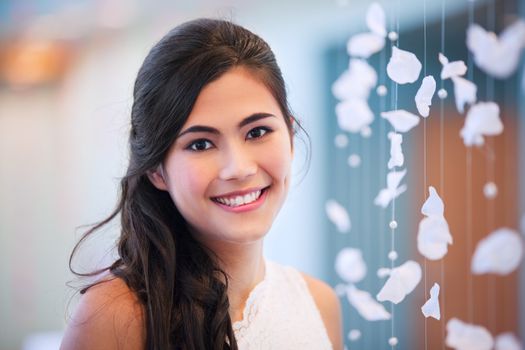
<point x="230" y="156"/>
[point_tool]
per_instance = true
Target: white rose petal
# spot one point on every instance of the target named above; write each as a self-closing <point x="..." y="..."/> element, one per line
<point x="403" y="67"/>
<point x="482" y="119"/>
<point x="433" y="237"/>
<point x="365" y="45"/>
<point x="464" y="92"/>
<point x="353" y="115"/>
<point x="349" y="265"/>
<point x="356" y="81"/>
<point x="401" y="282"/>
<point x="431" y="307"/>
<point x="465" y="336"/>
<point x="507" y="341"/>
<point x="338" y="215"/>
<point x="401" y="120"/>
<point x="393" y="179"/>
<point x="442" y="59"/>
<point x="451" y="69"/>
<point x="396" y="153"/>
<point x="433" y="206"/>
<point x="393" y="190"/>
<point x="500" y="253"/>
<point x="376" y="19"/>
<point x="498" y="57"/>
<point x="367" y="307"/>
<point x="424" y="95"/>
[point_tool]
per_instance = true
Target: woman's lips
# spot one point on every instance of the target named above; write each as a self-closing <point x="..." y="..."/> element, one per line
<point x="232" y="207"/>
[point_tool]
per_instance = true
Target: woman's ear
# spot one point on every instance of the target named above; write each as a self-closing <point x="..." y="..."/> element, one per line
<point x="156" y="177"/>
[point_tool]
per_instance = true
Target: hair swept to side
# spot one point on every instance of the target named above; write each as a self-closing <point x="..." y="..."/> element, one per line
<point x="178" y="280"/>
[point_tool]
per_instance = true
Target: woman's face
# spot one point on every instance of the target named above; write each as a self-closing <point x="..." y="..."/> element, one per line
<point x="229" y="169"/>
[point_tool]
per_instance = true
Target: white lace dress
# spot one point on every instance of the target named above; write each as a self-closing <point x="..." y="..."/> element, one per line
<point x="280" y="313"/>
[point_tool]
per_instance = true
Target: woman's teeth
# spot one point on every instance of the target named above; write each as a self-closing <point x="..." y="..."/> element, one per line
<point x="239" y="200"/>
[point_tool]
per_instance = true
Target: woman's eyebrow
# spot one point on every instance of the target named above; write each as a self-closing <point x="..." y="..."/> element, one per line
<point x="203" y="128"/>
<point x="254" y="117"/>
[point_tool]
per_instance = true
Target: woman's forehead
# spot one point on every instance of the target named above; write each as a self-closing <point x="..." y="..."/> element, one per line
<point x="235" y="95"/>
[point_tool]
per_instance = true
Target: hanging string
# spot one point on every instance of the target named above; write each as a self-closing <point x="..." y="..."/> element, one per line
<point x="509" y="159"/>
<point x="470" y="295"/>
<point x="425" y="152"/>
<point x="382" y="162"/>
<point x="393" y="340"/>
<point x="442" y="174"/>
<point x="489" y="164"/>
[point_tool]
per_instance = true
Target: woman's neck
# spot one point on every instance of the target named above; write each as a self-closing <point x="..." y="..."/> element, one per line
<point x="244" y="264"/>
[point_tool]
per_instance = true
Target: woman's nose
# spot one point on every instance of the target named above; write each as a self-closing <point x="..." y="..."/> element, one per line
<point x="238" y="164"/>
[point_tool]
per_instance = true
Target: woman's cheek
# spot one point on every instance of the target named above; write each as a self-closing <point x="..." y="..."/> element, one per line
<point x="190" y="183"/>
<point x="279" y="160"/>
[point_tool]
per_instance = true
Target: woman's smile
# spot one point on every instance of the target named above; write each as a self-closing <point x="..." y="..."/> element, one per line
<point x="241" y="201"/>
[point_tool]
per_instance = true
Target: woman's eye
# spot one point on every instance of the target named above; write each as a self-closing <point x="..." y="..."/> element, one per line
<point x="257" y="132"/>
<point x="200" y="145"/>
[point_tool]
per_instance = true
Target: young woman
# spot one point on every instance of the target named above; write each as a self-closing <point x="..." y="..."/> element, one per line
<point x="211" y="146"/>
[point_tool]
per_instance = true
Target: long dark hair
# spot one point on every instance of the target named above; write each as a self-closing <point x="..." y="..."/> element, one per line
<point x="178" y="280"/>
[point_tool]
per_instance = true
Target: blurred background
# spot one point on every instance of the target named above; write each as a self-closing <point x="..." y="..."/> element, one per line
<point x="66" y="75"/>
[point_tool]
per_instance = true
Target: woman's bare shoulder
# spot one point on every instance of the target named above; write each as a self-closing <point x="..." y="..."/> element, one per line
<point x="108" y="316"/>
<point x="329" y="306"/>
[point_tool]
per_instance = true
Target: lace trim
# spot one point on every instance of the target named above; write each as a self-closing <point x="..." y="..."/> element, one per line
<point x="251" y="307"/>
